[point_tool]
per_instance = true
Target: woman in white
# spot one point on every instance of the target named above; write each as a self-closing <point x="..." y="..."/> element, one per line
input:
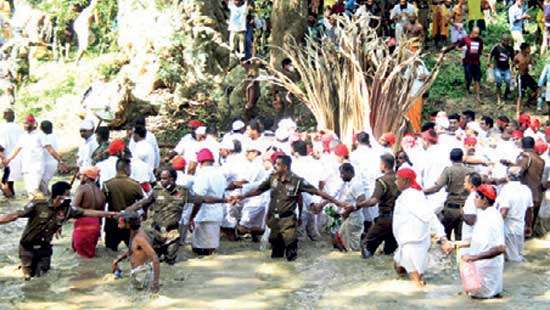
<point x="412" y="225"/>
<point x="487" y="246"/>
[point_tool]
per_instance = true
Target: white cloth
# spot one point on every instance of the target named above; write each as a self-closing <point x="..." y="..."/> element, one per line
<point x="206" y="235"/>
<point x="32" y="159"/>
<point x="152" y="140"/>
<point x="141" y="171"/>
<point x="50" y="164"/>
<point x="107" y="169"/>
<point x="431" y="163"/>
<point x="366" y="162"/>
<point x="517" y="198"/>
<point x="469" y="209"/>
<point x="488" y="233"/>
<point x="85" y="151"/>
<point x="237" y="16"/>
<point x="10" y="133"/>
<point x="412" y="224"/>
<point x="210" y="181"/>
<point x="145" y="152"/>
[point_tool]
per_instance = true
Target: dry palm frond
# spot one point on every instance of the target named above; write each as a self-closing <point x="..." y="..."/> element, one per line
<point x="355" y="83"/>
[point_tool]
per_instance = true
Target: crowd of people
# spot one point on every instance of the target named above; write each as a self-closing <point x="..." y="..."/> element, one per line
<point x="433" y="24"/>
<point x="476" y="184"/>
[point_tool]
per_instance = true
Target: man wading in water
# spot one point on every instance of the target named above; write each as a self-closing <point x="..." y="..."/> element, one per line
<point x="45" y="219"/>
<point x="145" y="263"/>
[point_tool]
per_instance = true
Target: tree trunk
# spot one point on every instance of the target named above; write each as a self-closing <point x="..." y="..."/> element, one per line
<point x="288" y="18"/>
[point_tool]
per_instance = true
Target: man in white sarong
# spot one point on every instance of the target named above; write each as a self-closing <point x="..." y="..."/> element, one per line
<point x="487" y="244"/>
<point x="253" y="212"/>
<point x="88" y="146"/>
<point x="10" y="133"/>
<point x="207" y="220"/>
<point x="412" y="223"/>
<point x="515" y="203"/>
<point x="33" y="153"/>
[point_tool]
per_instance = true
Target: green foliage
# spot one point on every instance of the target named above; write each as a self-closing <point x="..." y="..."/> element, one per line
<point x="64" y="13"/>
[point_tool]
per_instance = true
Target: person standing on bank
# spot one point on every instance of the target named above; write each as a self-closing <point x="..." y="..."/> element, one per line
<point x="286" y="189"/>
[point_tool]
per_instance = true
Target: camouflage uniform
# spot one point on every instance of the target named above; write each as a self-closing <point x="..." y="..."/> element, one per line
<point x="163" y="217"/>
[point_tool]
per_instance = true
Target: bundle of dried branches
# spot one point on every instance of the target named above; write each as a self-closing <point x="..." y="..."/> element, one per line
<point x="353" y="82"/>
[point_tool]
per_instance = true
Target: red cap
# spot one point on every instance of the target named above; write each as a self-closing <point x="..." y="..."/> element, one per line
<point x="178" y="163"/>
<point x="389" y="138"/>
<point x="116" y="146"/>
<point x="518" y="134"/>
<point x="276" y="155"/>
<point x="410" y="175"/>
<point x="535" y="124"/>
<point x="430" y="136"/>
<point x="194" y="124"/>
<point x="30" y="119"/>
<point x="487" y="191"/>
<point x="204" y="155"/>
<point x="341" y="150"/>
<point x="146" y="187"/>
<point x="524" y="119"/>
<point x="540" y="147"/>
<point x="470" y="141"/>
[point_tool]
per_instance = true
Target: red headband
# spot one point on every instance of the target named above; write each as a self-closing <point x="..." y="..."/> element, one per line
<point x="410" y="175"/>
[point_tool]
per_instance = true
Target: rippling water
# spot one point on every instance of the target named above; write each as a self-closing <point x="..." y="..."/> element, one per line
<point x="240" y="276"/>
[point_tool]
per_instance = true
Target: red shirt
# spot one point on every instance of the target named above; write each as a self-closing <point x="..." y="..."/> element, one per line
<point x="474" y="48"/>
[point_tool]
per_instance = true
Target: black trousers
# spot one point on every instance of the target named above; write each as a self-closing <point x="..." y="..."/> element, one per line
<point x="35" y="261"/>
<point x="279" y="249"/>
<point x="114" y="235"/>
<point x="380" y="232"/>
<point x="5" y="178"/>
<point x="452" y="222"/>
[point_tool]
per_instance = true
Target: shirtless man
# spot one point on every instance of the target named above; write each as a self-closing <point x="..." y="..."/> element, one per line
<point x="523" y="62"/>
<point x="414" y="29"/>
<point x="145" y="263"/>
<point x="88" y="196"/>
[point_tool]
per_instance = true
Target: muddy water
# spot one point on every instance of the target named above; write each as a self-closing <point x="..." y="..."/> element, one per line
<point x="240" y="276"/>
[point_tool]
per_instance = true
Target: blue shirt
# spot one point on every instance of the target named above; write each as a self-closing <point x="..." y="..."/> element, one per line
<point x="514" y="15"/>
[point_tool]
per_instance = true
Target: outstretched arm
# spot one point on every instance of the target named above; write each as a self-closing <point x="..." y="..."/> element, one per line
<point x="8" y="218"/>
<point x="142" y="203"/>
<point x="95" y="213"/>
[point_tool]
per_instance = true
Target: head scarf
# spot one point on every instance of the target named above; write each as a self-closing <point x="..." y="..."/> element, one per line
<point x="470" y="141"/>
<point x="193" y="124"/>
<point x="91" y="172"/>
<point x="430" y="136"/>
<point x="116" y="146"/>
<point x="204" y="155"/>
<point x="389" y="138"/>
<point x="341" y="150"/>
<point x="487" y="191"/>
<point x="30" y="119"/>
<point x="540" y="147"/>
<point x="178" y="163"/>
<point x="410" y="175"/>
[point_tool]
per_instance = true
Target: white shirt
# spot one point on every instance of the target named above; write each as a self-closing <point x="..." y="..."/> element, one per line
<point x="152" y="140"/>
<point x="85" y="151"/>
<point x="469" y="209"/>
<point x="349" y="192"/>
<point x="517" y="198"/>
<point x="32" y="152"/>
<point x="141" y="171"/>
<point x="412" y="220"/>
<point x="52" y="141"/>
<point x="9" y="136"/>
<point x="210" y="181"/>
<point x="107" y="169"/>
<point x="237" y="16"/>
<point x="145" y="152"/>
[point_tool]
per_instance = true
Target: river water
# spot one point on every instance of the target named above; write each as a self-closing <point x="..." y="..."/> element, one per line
<point x="240" y="276"/>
